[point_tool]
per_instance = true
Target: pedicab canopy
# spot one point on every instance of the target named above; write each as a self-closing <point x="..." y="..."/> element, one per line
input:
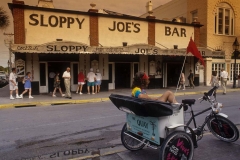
<point x="69" y="47"/>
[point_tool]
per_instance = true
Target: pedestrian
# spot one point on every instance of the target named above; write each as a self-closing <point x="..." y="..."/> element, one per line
<point x="67" y="76"/>
<point x="214" y="81"/>
<point x="27" y="85"/>
<point x="182" y="81"/>
<point x="224" y="79"/>
<point x="56" y="85"/>
<point x="81" y="81"/>
<point x="191" y="79"/>
<point x="13" y="84"/>
<point x="140" y="83"/>
<point x="98" y="81"/>
<point x="91" y="77"/>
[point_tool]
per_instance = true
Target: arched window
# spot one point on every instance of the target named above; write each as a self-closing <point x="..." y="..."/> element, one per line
<point x="224" y="19"/>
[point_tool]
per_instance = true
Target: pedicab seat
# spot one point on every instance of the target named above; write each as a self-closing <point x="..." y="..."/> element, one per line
<point x="143" y="107"/>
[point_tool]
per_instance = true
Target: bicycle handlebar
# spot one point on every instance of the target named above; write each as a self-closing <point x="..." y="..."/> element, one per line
<point x="207" y="95"/>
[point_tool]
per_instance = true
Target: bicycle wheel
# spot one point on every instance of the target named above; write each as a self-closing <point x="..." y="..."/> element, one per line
<point x="129" y="142"/>
<point x="178" y="145"/>
<point x="223" y="129"/>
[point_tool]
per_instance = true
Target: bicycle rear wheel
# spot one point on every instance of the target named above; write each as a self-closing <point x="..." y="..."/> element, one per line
<point x="178" y="146"/>
<point x="129" y="142"/>
<point x="223" y="129"/>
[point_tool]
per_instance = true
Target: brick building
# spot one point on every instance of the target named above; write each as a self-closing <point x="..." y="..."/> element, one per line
<point x="220" y="22"/>
<point x="47" y="40"/>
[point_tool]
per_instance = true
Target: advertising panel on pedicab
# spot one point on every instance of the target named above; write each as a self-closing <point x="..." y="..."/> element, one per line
<point x="146" y="127"/>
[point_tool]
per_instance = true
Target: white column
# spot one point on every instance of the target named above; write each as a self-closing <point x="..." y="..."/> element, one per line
<point x="103" y="66"/>
<point x="143" y="60"/>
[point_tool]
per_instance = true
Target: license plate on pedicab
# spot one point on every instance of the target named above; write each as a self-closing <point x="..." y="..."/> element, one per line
<point x="146" y="127"/>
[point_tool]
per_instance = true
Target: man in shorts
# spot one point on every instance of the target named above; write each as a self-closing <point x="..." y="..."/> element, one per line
<point x="91" y="77"/>
<point x="13" y="84"/>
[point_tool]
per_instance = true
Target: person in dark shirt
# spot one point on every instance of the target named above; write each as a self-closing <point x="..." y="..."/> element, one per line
<point x="191" y="79"/>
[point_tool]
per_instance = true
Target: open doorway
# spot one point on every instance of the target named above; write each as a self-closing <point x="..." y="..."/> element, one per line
<point x="173" y="73"/>
<point x="122" y="75"/>
<point x="54" y="67"/>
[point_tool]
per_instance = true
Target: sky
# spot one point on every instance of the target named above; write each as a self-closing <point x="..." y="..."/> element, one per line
<point x="130" y="7"/>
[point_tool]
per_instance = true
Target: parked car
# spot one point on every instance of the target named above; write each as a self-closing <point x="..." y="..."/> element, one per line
<point x="3" y="80"/>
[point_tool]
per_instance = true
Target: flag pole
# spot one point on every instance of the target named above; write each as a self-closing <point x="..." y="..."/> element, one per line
<point x="181" y="73"/>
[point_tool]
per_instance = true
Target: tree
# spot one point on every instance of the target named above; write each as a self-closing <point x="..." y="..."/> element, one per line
<point x="4" y="19"/>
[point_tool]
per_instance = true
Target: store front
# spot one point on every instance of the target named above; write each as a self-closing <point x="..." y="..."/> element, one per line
<point x="47" y="40"/>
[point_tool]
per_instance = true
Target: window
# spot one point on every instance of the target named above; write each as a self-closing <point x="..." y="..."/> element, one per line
<point x="232" y="70"/>
<point x="217" y="67"/>
<point x="224" y="20"/>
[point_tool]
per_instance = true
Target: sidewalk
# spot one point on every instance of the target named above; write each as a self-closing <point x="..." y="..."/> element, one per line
<point x="47" y="99"/>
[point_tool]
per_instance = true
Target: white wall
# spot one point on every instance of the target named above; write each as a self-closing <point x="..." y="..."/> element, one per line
<point x="116" y="37"/>
<point x="103" y="66"/>
<point x="37" y="34"/>
<point x="176" y="37"/>
<point x="143" y="63"/>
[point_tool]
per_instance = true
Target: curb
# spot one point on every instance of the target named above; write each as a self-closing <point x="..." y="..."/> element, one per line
<point x="94" y="100"/>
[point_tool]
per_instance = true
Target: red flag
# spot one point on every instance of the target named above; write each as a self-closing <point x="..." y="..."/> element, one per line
<point x="193" y="49"/>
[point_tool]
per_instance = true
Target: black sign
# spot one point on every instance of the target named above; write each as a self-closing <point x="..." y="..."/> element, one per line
<point x="54" y="21"/>
<point x="175" y="31"/>
<point x="125" y="27"/>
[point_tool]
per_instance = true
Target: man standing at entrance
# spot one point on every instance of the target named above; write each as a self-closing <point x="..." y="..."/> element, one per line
<point x="13" y="85"/>
<point x="66" y="76"/>
<point x="224" y="78"/>
<point x="91" y="77"/>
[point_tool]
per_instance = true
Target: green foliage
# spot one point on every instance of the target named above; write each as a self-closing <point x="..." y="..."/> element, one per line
<point x="4" y="19"/>
<point x="3" y="69"/>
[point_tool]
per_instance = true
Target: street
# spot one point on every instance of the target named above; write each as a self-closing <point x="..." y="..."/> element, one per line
<point x="68" y="131"/>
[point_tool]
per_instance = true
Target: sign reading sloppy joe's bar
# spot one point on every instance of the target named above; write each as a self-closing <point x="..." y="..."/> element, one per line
<point x="80" y="48"/>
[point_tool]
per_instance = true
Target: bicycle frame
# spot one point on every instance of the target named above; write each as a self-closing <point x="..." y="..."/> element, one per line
<point x="199" y="113"/>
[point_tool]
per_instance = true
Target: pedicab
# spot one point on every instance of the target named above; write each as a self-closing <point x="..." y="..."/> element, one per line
<point x="161" y="125"/>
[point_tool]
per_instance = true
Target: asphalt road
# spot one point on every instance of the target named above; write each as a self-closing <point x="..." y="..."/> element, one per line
<point x="60" y="132"/>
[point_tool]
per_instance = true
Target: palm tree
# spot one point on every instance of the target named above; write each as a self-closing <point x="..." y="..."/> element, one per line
<point x="4" y="19"/>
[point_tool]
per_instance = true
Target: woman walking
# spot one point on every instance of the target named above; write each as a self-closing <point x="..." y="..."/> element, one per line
<point x="57" y="85"/>
<point x="27" y="85"/>
<point x="214" y="81"/>
<point x="81" y="81"/>
<point x="182" y="81"/>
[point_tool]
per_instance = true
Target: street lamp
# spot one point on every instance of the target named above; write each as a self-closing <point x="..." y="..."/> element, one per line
<point x="235" y="54"/>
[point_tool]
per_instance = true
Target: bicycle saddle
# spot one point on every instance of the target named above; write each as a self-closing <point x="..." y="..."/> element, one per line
<point x="188" y="101"/>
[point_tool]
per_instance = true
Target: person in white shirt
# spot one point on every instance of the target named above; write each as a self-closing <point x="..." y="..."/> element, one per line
<point x="13" y="84"/>
<point x="224" y="78"/>
<point x="98" y="81"/>
<point x="67" y="76"/>
<point x="91" y="77"/>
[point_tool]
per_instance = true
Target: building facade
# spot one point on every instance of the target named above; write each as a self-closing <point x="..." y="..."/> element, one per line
<point x="220" y="22"/>
<point x="47" y="40"/>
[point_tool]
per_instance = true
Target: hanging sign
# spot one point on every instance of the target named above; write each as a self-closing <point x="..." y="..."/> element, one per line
<point x="20" y="67"/>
